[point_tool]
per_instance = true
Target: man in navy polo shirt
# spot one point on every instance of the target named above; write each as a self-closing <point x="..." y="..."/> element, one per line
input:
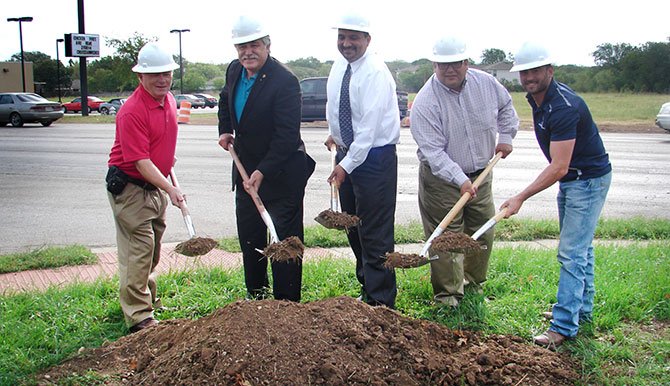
<point x="578" y="161"/>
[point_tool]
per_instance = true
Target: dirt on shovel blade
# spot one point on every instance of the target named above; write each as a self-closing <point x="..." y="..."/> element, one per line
<point x="454" y="242"/>
<point x="402" y="260"/>
<point x="196" y="246"/>
<point x="337" y="220"/>
<point x="286" y="250"/>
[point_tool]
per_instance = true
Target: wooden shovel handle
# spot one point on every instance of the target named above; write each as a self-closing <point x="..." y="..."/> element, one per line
<point x="182" y="205"/>
<point x="245" y="177"/>
<point x="334" y="189"/>
<point x="466" y="197"/>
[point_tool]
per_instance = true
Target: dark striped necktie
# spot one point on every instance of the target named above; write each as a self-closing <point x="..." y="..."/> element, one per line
<point x="346" y="128"/>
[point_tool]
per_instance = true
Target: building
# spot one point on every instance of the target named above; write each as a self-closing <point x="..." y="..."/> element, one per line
<point x="501" y="71"/>
<point x="10" y="77"/>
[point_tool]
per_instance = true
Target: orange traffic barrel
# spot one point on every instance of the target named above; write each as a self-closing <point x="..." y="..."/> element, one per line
<point x="184" y="115"/>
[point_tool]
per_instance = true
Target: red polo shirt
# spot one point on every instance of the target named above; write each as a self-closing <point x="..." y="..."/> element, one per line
<point x="145" y="130"/>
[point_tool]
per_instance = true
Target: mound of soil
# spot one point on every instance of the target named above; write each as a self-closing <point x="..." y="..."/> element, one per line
<point x="454" y="242"/>
<point x="329" y="342"/>
<point x="404" y="260"/>
<point x="196" y="246"/>
<point x="337" y="220"/>
<point x="290" y="249"/>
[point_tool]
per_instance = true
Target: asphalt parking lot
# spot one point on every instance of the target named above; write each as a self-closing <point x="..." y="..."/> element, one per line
<point x="51" y="182"/>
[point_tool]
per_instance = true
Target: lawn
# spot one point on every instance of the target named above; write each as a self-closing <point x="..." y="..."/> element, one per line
<point x="627" y="344"/>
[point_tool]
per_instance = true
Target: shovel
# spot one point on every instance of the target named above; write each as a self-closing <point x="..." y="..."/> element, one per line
<point x="442" y="226"/>
<point x="333" y="218"/>
<point x="195" y="246"/>
<point x="459" y="242"/>
<point x="255" y="197"/>
<point x="289" y="249"/>
<point x="400" y="260"/>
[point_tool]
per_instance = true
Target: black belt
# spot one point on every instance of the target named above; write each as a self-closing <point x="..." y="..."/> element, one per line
<point x="475" y="173"/>
<point x="142" y="184"/>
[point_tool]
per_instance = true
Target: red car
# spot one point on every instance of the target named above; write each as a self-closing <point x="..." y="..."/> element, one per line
<point x="75" y="105"/>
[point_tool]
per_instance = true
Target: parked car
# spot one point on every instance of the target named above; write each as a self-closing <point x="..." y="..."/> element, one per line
<point x="210" y="101"/>
<point x="663" y="117"/>
<point x="18" y="108"/>
<point x="195" y="101"/>
<point x="116" y="103"/>
<point x="314" y="99"/>
<point x="75" y="105"/>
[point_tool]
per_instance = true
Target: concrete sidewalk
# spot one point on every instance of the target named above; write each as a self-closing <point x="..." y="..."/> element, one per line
<point x="40" y="280"/>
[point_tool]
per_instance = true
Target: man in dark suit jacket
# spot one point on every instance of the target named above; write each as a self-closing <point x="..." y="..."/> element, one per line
<point x="259" y="115"/>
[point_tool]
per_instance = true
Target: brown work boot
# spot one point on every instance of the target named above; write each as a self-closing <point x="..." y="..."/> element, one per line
<point x="550" y="339"/>
<point x="146" y="323"/>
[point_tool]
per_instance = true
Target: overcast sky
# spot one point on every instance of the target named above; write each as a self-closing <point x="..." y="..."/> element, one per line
<point x="404" y="30"/>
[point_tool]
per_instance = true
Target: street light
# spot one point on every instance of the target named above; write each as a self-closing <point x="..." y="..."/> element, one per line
<point x="181" y="68"/>
<point x="21" y="20"/>
<point x="58" y="69"/>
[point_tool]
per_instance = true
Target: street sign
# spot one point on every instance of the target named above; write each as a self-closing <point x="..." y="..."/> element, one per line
<point x="82" y="45"/>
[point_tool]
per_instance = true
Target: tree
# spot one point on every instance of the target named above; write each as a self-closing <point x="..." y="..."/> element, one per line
<point x="44" y="71"/>
<point x="493" y="55"/>
<point x="128" y="49"/>
<point x="609" y="55"/>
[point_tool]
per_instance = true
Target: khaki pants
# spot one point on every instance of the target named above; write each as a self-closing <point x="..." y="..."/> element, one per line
<point x="448" y="273"/>
<point x="140" y="223"/>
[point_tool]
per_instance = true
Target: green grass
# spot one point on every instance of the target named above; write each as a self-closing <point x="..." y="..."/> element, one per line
<point x="506" y="230"/>
<point x="47" y="257"/>
<point x="38" y="330"/>
<point x="608" y="107"/>
<point x="317" y="236"/>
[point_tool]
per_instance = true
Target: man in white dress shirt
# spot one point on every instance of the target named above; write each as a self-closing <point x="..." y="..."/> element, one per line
<point x="364" y="122"/>
<point x="456" y="117"/>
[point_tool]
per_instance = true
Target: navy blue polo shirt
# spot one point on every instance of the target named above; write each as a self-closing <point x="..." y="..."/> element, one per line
<point x="562" y="116"/>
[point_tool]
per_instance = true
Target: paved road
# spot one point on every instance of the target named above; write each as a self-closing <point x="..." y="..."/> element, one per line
<point x="52" y="191"/>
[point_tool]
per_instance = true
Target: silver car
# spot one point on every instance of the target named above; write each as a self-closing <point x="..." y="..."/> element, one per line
<point x="663" y="117"/>
<point x="112" y="106"/>
<point x="18" y="108"/>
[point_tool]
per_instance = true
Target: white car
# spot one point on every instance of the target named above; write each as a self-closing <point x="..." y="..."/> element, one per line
<point x="663" y="117"/>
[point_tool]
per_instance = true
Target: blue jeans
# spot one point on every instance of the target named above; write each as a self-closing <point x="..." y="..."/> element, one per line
<point x="579" y="205"/>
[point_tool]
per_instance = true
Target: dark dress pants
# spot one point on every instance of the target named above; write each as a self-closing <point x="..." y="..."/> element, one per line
<point x="287" y="216"/>
<point x="369" y="192"/>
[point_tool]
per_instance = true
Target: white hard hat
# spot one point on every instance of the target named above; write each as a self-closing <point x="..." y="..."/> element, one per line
<point x="530" y="55"/>
<point x="247" y="29"/>
<point x="152" y="58"/>
<point x="354" y="22"/>
<point x="448" y="49"/>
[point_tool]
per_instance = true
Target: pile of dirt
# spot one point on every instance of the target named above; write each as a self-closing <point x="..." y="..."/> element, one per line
<point x="454" y="242"/>
<point x="404" y="260"/>
<point x="290" y="249"/>
<point x="329" y="342"/>
<point x="337" y="220"/>
<point x="196" y="246"/>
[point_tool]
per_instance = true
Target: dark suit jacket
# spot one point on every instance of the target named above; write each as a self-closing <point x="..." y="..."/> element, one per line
<point x="267" y="137"/>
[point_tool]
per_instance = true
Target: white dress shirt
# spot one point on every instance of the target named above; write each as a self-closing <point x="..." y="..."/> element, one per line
<point x="374" y="107"/>
<point x="456" y="131"/>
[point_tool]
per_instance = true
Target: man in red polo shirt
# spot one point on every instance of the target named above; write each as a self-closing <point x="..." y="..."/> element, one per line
<point x="137" y="184"/>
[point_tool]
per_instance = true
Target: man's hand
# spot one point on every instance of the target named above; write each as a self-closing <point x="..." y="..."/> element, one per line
<point x="504" y="148"/>
<point x="176" y="196"/>
<point x="255" y="181"/>
<point x="467" y="187"/>
<point x="226" y="140"/>
<point x="329" y="142"/>
<point x="337" y="176"/>
<point x="513" y="205"/>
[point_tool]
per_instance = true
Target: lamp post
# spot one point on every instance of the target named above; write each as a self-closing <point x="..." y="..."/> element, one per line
<point x="21" y="20"/>
<point x="181" y="68"/>
<point x="58" y="69"/>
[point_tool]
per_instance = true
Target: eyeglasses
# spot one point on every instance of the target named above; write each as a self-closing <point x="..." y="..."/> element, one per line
<point x="454" y="65"/>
